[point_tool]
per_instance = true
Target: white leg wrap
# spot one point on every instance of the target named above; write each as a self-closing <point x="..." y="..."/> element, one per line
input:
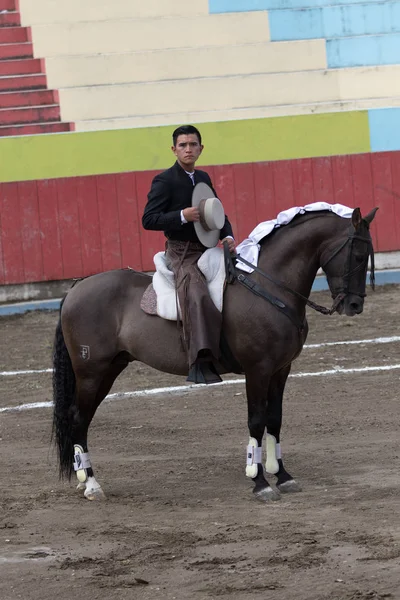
<point x="254" y="456"/>
<point x="271" y="465"/>
<point x="81" y="463"/>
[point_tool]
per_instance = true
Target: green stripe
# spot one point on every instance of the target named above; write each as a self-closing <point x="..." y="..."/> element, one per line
<point x="229" y="142"/>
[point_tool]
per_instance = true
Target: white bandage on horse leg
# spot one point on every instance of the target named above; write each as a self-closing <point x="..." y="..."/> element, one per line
<point x="81" y="463"/>
<point x="254" y="456"/>
<point x="271" y="465"/>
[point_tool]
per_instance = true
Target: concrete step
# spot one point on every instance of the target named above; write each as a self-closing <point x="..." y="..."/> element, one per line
<point x="13" y="35"/>
<point x="35" y="129"/>
<point x="9" y="19"/>
<point x="231" y="114"/>
<point x="71" y="71"/>
<point x="25" y="66"/>
<point x="234" y="92"/>
<point x="29" y="98"/>
<point x="19" y="50"/>
<point x="29" y="114"/>
<point x="103" y="37"/>
<point x="48" y="11"/>
<point x="23" y="82"/>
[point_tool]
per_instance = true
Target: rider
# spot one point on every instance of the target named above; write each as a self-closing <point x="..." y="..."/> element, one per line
<point x="169" y="209"/>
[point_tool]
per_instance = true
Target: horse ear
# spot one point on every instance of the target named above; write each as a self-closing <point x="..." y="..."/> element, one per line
<point x="356" y="218"/>
<point x="369" y="217"/>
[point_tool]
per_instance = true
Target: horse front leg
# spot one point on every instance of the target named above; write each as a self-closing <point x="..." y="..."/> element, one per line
<point x="257" y="383"/>
<point x="274" y="465"/>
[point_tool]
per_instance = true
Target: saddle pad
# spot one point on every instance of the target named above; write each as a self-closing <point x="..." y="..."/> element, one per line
<point x="160" y="298"/>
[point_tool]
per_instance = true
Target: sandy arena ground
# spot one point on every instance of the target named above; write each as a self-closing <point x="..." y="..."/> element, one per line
<point x="180" y="521"/>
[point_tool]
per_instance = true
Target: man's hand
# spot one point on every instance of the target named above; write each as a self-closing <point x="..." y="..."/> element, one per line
<point x="191" y="214"/>
<point x="231" y="244"/>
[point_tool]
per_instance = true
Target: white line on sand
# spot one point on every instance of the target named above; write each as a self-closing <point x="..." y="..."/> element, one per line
<point x="380" y="340"/>
<point x="188" y="388"/>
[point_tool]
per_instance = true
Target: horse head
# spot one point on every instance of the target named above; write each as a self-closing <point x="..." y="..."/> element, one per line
<point x="346" y="265"/>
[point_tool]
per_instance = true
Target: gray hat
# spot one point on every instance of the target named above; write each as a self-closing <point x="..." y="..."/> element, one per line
<point x="212" y="215"/>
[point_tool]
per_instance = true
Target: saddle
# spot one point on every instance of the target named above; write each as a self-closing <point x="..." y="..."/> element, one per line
<point x="160" y="297"/>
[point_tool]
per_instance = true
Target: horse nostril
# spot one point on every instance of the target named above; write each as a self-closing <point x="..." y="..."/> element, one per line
<point x="356" y="306"/>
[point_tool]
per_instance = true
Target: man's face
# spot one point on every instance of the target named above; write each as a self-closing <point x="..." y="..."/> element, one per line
<point x="187" y="149"/>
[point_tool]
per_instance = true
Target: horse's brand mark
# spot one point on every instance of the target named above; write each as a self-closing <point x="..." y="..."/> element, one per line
<point x="85" y="352"/>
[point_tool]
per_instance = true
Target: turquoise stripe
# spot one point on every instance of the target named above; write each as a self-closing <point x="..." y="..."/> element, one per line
<point x="225" y="6"/>
<point x="335" y="21"/>
<point x="384" y="129"/>
<point x="363" y="51"/>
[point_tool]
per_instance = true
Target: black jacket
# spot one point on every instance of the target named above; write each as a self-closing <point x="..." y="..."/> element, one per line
<point x="171" y="192"/>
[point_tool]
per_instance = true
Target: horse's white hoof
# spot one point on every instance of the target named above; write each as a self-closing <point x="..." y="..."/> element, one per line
<point x="289" y="487"/>
<point x="81" y="486"/>
<point x="94" y="494"/>
<point x="267" y="495"/>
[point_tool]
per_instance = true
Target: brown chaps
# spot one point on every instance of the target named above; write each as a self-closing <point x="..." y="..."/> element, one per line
<point x="201" y="319"/>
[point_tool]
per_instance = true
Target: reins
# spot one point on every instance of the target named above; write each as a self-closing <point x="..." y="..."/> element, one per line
<point x="340" y="294"/>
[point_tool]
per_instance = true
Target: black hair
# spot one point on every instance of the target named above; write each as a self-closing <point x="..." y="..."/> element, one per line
<point x="185" y="130"/>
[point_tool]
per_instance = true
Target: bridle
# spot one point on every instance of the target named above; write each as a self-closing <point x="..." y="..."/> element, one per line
<point x="346" y="277"/>
<point x="338" y="294"/>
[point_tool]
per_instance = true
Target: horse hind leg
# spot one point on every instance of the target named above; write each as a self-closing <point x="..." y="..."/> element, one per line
<point x="90" y="394"/>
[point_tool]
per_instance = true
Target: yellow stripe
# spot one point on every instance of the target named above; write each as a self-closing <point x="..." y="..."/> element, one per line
<point x="230" y="142"/>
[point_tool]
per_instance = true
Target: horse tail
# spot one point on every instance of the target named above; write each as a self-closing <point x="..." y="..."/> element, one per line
<point x="64" y="385"/>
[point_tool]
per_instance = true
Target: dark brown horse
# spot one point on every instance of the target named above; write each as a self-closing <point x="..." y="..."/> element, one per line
<point x="102" y="329"/>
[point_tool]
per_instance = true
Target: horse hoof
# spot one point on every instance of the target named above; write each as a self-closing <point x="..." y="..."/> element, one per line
<point x="94" y="494"/>
<point x="289" y="487"/>
<point x="81" y="486"/>
<point x="267" y="495"/>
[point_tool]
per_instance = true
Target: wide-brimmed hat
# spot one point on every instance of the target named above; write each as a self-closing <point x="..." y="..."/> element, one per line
<point x="212" y="215"/>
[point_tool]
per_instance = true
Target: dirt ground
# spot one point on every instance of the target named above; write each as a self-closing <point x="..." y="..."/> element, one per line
<point x="180" y="521"/>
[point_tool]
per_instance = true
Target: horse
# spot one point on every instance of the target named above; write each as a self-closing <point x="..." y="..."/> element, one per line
<point x="102" y="328"/>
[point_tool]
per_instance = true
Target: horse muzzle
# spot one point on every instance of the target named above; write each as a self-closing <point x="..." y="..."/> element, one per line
<point x="352" y="305"/>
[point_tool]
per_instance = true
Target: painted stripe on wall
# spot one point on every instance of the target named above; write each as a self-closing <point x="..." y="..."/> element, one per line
<point x="223" y="6"/>
<point x="335" y="21"/>
<point x="384" y="127"/>
<point x="363" y="51"/>
<point x="230" y="142"/>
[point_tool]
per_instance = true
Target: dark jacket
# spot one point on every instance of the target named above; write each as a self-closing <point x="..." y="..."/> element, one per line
<point x="171" y="192"/>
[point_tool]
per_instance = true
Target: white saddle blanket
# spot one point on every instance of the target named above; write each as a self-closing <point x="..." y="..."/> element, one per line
<point x="211" y="264"/>
<point x="250" y="247"/>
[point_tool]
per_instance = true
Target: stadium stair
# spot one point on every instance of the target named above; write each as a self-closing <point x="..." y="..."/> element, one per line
<point x="26" y="105"/>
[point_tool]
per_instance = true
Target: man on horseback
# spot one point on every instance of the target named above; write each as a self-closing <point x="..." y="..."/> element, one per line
<point x="169" y="209"/>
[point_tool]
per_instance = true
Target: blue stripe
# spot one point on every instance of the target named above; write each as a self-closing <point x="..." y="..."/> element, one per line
<point x="23" y="307"/>
<point x="384" y="129"/>
<point x="363" y="51"/>
<point x="225" y="6"/>
<point x="335" y="21"/>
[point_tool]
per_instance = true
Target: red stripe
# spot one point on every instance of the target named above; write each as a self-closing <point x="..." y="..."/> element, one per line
<point x="49" y="229"/>
<point x="109" y="222"/>
<point x="130" y="224"/>
<point x="70" y="235"/>
<point x="89" y="225"/>
<point x="30" y="231"/>
<point x="11" y="234"/>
